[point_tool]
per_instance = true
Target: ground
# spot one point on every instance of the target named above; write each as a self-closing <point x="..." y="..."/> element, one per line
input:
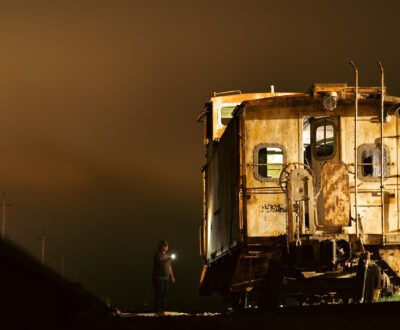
<point x="338" y="317"/>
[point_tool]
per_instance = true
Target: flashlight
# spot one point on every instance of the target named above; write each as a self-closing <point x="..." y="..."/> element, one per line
<point x="173" y="256"/>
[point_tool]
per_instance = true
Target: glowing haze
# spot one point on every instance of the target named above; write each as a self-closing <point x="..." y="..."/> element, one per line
<point x="100" y="146"/>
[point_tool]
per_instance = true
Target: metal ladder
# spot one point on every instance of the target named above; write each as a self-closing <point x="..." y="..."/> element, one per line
<point x="382" y="187"/>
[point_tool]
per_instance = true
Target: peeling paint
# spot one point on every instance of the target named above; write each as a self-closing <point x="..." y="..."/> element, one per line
<point x="335" y="178"/>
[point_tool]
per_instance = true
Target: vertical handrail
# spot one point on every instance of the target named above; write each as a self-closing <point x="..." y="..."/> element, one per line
<point x="243" y="142"/>
<point x="382" y="114"/>
<point x="355" y="147"/>
<point x="397" y="174"/>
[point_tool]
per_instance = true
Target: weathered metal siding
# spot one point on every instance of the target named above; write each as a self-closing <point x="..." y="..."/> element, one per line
<point x="396" y="226"/>
<point x="219" y="101"/>
<point x="231" y="100"/>
<point x="368" y="196"/>
<point x="266" y="203"/>
<point x="223" y="192"/>
<point x="212" y="183"/>
<point x="336" y="195"/>
<point x="229" y="180"/>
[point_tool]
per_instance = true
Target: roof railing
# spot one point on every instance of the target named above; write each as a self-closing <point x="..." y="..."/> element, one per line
<point x="237" y="91"/>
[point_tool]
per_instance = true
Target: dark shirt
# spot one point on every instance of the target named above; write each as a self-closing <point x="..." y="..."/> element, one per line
<point x="161" y="266"/>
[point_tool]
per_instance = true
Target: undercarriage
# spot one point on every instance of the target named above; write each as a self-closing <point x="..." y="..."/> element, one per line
<point x="315" y="272"/>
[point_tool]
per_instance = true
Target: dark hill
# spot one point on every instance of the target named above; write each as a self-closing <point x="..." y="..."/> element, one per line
<point x="30" y="291"/>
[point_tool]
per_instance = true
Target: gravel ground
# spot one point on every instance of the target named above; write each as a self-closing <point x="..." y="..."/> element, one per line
<point x="367" y="316"/>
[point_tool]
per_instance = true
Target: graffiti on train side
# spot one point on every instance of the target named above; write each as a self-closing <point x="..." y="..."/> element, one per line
<point x="275" y="208"/>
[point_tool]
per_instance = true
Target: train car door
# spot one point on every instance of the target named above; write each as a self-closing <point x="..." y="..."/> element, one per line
<point x="324" y="148"/>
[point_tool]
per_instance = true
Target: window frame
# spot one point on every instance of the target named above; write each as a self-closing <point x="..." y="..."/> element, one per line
<point x="257" y="149"/>
<point x="313" y="139"/>
<point x="219" y="111"/>
<point x="369" y="146"/>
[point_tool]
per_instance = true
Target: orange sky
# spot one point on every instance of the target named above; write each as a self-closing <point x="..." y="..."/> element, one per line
<point x="98" y="103"/>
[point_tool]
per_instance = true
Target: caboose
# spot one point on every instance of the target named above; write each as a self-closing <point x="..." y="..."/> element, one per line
<point x="301" y="195"/>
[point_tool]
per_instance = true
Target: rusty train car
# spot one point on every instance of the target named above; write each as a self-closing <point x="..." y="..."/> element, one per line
<point x="301" y="195"/>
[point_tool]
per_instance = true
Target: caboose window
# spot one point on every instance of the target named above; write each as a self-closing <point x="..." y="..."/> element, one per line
<point x="369" y="159"/>
<point x="226" y="114"/>
<point x="324" y="138"/>
<point x="268" y="162"/>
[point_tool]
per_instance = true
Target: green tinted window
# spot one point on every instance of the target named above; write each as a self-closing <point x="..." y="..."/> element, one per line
<point x="270" y="161"/>
<point x="226" y="114"/>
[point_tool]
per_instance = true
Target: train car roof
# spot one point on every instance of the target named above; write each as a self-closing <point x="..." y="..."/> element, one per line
<point x="319" y="91"/>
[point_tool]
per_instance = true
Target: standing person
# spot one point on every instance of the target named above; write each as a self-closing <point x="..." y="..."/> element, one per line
<point x="162" y="272"/>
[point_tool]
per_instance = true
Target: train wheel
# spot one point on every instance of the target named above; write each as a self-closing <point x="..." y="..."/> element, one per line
<point x="372" y="284"/>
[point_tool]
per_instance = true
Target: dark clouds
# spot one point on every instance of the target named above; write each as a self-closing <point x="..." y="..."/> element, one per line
<point x="98" y="101"/>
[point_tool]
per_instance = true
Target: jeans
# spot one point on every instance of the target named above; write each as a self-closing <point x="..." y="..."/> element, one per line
<point x="160" y="293"/>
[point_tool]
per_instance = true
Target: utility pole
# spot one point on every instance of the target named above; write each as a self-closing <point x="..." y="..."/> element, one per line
<point x="3" y="215"/>
<point x="43" y="254"/>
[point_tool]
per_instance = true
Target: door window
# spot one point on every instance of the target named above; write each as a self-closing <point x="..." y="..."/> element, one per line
<point x="324" y="138"/>
<point x="268" y="161"/>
